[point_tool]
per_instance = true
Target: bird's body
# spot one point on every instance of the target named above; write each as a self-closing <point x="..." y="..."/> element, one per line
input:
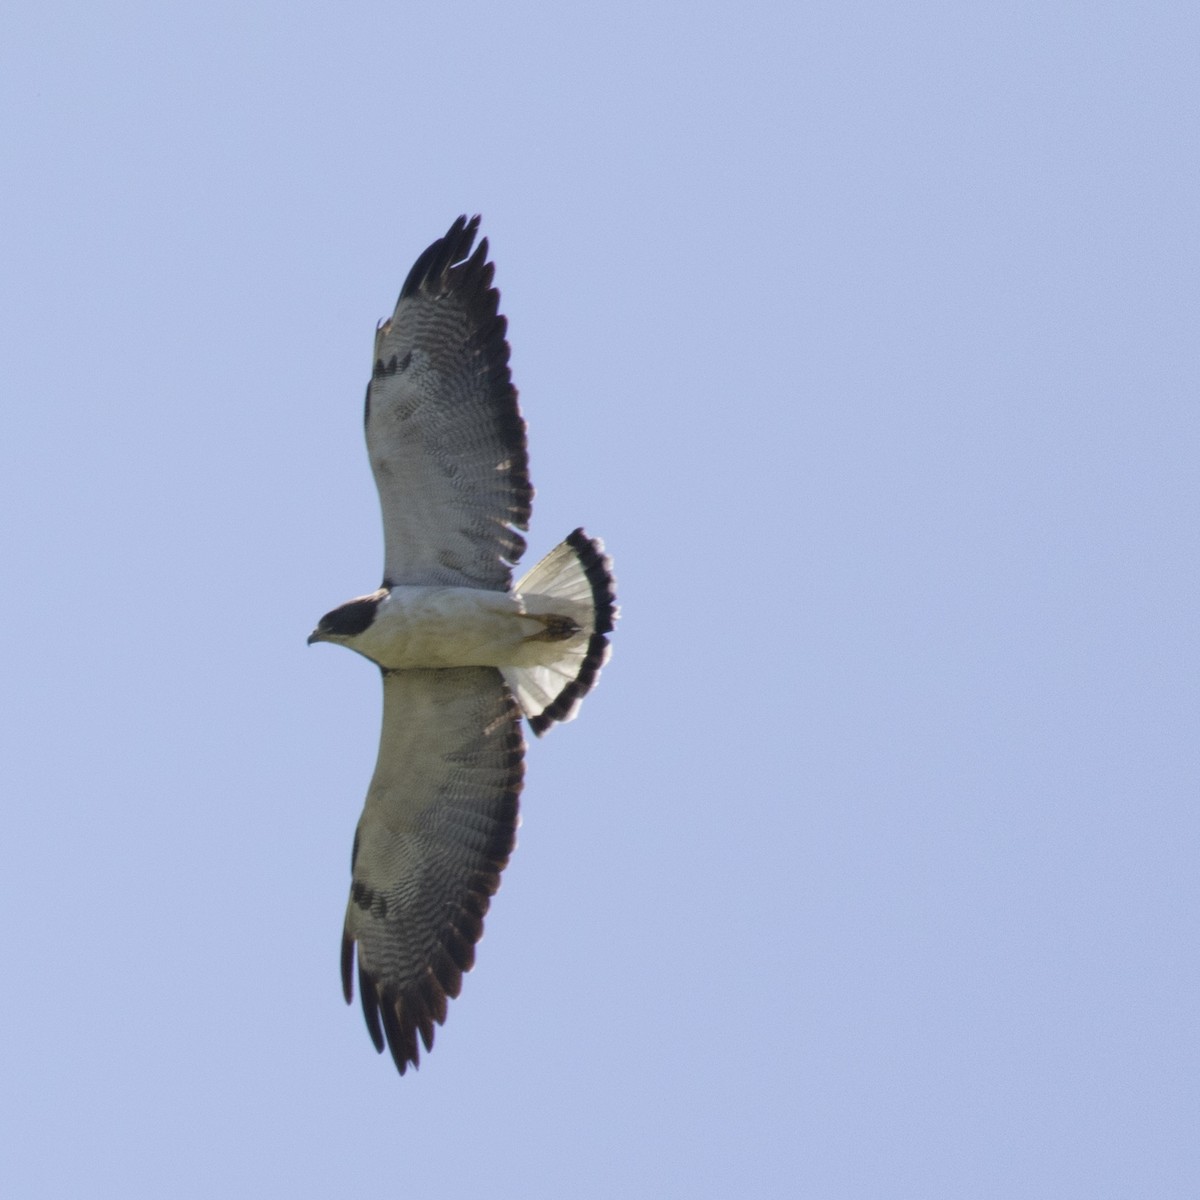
<point x="464" y="654"/>
<point x="416" y="627"/>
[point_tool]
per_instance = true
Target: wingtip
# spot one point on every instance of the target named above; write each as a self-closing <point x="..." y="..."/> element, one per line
<point x="348" y="968"/>
<point x="439" y="256"/>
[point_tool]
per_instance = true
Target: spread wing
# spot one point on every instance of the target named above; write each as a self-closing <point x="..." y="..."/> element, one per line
<point x="444" y="433"/>
<point x="438" y="827"/>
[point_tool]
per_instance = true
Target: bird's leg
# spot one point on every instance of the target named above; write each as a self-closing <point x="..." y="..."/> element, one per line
<point x="555" y="628"/>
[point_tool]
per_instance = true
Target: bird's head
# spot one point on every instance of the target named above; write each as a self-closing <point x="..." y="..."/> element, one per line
<point x="348" y="620"/>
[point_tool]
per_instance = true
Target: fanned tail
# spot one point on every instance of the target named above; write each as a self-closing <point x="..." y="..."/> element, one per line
<point x="578" y="572"/>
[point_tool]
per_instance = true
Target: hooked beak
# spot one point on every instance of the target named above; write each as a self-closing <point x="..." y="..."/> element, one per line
<point x="315" y="636"/>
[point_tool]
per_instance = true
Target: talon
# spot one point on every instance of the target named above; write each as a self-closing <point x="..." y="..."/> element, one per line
<point x="556" y="628"/>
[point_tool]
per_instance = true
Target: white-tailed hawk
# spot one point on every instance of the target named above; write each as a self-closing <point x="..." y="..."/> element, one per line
<point x="464" y="653"/>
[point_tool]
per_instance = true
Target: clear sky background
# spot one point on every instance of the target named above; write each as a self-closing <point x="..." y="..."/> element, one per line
<point x="866" y="336"/>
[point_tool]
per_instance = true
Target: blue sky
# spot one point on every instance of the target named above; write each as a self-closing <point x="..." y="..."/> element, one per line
<point x="865" y="335"/>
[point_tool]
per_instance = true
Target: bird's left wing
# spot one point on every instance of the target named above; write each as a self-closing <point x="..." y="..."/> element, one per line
<point x="438" y="827"/>
<point x="445" y="435"/>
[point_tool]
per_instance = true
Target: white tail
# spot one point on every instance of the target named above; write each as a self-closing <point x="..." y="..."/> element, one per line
<point x="578" y="575"/>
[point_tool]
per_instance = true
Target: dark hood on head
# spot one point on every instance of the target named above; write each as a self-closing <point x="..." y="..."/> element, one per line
<point x="352" y="617"/>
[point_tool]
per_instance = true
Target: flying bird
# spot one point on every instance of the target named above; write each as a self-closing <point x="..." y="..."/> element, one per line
<point x="464" y="654"/>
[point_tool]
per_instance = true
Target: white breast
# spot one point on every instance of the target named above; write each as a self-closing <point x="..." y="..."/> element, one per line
<point x="450" y="627"/>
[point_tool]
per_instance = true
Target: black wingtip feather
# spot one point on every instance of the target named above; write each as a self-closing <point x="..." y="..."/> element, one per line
<point x="401" y="1035"/>
<point x="370" y="1007"/>
<point x="348" y="965"/>
<point x="437" y="259"/>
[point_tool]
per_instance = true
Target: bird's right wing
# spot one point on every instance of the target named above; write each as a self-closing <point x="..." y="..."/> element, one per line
<point x="438" y="827"/>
